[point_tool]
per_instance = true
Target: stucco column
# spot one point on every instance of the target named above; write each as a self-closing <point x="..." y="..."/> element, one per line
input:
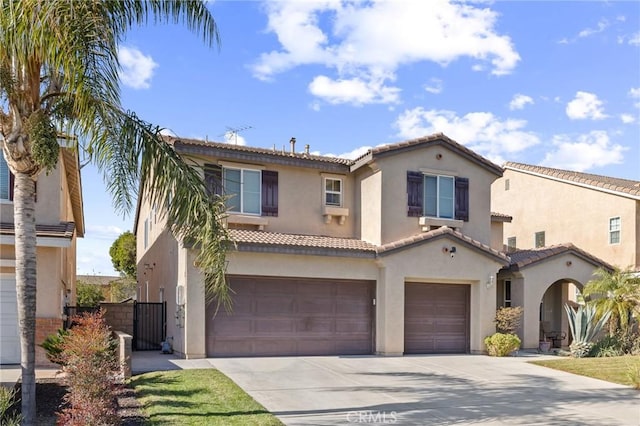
<point x="194" y="314"/>
<point x="518" y="299"/>
<point x="389" y="313"/>
<point x="531" y="317"/>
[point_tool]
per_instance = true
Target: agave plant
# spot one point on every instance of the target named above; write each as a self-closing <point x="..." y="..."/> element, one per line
<point x="584" y="328"/>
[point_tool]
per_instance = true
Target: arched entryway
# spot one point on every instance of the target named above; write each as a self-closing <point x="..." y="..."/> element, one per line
<point x="554" y="326"/>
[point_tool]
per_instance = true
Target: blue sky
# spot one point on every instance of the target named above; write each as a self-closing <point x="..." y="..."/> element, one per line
<point x="548" y="83"/>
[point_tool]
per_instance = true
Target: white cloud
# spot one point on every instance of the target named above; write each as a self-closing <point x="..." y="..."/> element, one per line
<point x="627" y="118"/>
<point x="355" y="90"/>
<point x="434" y="86"/>
<point x="584" y="152"/>
<point x="167" y="132"/>
<point x="136" y="69"/>
<point x="602" y="25"/>
<point x="634" y="39"/>
<point x="519" y="101"/>
<point x="351" y="155"/>
<point x="481" y="131"/>
<point x="232" y="137"/>
<point x="104" y="231"/>
<point x="364" y="45"/>
<point x="634" y="92"/>
<point x="585" y="105"/>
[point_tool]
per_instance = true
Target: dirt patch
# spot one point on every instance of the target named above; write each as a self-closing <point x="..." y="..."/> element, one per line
<point x="49" y="401"/>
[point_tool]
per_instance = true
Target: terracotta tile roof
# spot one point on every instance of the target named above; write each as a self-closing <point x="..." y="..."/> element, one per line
<point x="176" y="141"/>
<point x="500" y="217"/>
<point x="61" y="230"/>
<point x="524" y="258"/>
<point x="441" y="232"/>
<point x="622" y="186"/>
<point x="435" y="139"/>
<point x="296" y="240"/>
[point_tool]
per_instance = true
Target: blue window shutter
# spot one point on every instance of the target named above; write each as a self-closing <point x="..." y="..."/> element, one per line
<point x="462" y="199"/>
<point x="414" y="193"/>
<point x="269" y="193"/>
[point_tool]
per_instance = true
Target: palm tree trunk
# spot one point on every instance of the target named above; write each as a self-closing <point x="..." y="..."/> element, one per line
<point x="25" y="228"/>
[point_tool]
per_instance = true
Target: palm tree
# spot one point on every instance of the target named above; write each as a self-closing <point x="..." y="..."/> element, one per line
<point x="616" y="291"/>
<point x="59" y="74"/>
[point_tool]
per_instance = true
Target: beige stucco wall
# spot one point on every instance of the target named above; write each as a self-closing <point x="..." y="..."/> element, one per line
<point x="370" y="196"/>
<point x="497" y="235"/>
<point x="530" y="284"/>
<point x="568" y="213"/>
<point x="395" y="223"/>
<point x="427" y="263"/>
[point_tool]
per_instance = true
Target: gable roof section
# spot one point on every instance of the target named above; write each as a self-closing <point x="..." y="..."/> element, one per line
<point x="432" y="140"/>
<point x="524" y="258"/>
<point x="500" y="217"/>
<point x="623" y="187"/>
<point x="61" y="230"/>
<point x="436" y="234"/>
<point x="74" y="183"/>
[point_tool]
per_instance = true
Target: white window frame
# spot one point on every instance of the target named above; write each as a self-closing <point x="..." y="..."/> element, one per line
<point x="511" y="248"/>
<point x="241" y="194"/>
<point x="146" y="233"/>
<point x="507" y="303"/>
<point x="535" y="239"/>
<point x="618" y="230"/>
<point x="327" y="192"/>
<point x="453" y="195"/>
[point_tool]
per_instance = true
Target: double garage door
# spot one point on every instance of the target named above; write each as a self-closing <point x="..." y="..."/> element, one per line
<point x="293" y="316"/>
<point x="436" y="318"/>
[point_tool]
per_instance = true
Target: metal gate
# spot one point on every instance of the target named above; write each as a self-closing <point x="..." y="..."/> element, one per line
<point x="149" y="326"/>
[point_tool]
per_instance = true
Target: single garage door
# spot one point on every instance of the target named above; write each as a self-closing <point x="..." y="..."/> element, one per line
<point x="436" y="318"/>
<point x="9" y="331"/>
<point x="287" y="316"/>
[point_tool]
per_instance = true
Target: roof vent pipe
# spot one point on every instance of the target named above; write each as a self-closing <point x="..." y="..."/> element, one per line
<point x="306" y="149"/>
<point x="293" y="145"/>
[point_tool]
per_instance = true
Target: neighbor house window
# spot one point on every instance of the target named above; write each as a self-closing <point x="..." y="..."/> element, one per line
<point x="242" y="187"/>
<point x="506" y="184"/>
<point x="539" y="239"/>
<point x="507" y="294"/>
<point x="5" y="180"/>
<point x="440" y="196"/>
<point x="333" y="192"/>
<point x="146" y="233"/>
<point x="511" y="244"/>
<point x="614" y="230"/>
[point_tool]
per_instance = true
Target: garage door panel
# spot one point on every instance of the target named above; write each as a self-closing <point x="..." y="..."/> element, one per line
<point x="294" y="317"/>
<point x="436" y="318"/>
<point x="9" y="330"/>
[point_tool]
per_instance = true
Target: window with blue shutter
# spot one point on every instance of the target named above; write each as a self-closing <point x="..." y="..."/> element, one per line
<point x="269" y="193"/>
<point x="415" y="193"/>
<point x="438" y="196"/>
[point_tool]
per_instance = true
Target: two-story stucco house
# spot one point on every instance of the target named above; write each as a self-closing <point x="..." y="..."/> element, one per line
<point x="393" y="253"/>
<point x="59" y="221"/>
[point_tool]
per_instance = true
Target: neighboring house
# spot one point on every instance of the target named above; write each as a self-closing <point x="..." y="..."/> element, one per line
<point x="104" y="281"/>
<point x="59" y="221"/>
<point x="552" y="208"/>
<point x="395" y="252"/>
<point x="599" y="214"/>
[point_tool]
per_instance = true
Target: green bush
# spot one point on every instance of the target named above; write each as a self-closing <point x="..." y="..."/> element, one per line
<point x="500" y="344"/>
<point x="52" y="345"/>
<point x="508" y="319"/>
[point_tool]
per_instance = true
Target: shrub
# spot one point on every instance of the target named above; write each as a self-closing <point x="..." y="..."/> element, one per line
<point x="500" y="344"/>
<point x="508" y="319"/>
<point x="52" y="345"/>
<point x="91" y="364"/>
<point x="8" y="416"/>
<point x="584" y="328"/>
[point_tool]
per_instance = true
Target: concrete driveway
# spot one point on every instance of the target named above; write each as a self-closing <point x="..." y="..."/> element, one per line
<point x="428" y="390"/>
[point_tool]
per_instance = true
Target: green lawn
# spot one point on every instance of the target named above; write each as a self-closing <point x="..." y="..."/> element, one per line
<point x="197" y="397"/>
<point x="613" y="369"/>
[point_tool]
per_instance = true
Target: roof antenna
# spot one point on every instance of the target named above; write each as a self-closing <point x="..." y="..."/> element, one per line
<point x="232" y="133"/>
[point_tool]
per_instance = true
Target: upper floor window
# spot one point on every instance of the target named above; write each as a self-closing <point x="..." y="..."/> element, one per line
<point x="614" y="230"/>
<point x="5" y="180"/>
<point x="438" y="196"/>
<point x="242" y="186"/>
<point x="247" y="190"/>
<point x="539" y="239"/>
<point x="511" y="244"/>
<point x="507" y="184"/>
<point x="333" y="192"/>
